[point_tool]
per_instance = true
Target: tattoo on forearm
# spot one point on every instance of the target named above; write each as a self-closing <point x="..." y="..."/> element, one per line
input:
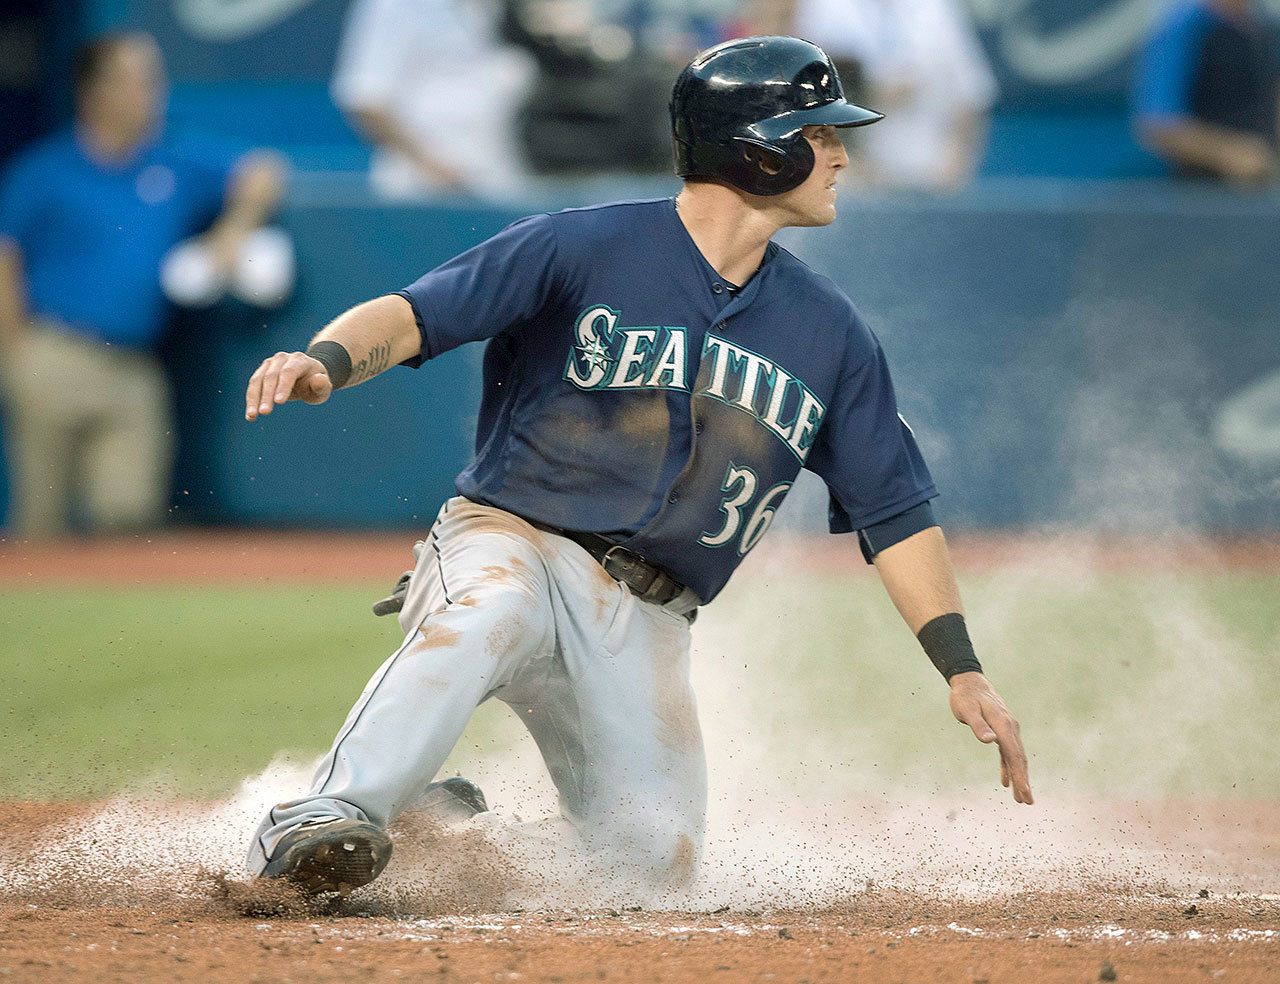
<point x="378" y="360"/>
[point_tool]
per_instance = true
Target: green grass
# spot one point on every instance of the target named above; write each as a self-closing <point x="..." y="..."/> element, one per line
<point x="198" y="686"/>
<point x="1123" y="684"/>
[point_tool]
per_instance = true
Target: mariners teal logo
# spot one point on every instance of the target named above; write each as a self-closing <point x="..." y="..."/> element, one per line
<point x="606" y="356"/>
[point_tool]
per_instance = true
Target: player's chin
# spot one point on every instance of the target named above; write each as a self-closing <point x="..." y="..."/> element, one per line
<point x="819" y="215"/>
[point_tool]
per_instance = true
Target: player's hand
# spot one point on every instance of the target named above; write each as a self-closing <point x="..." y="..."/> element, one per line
<point x="283" y="377"/>
<point x="975" y="702"/>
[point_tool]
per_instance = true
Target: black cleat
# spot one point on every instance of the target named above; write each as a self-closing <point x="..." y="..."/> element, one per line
<point x="450" y="801"/>
<point x="467" y="793"/>
<point x="330" y="856"/>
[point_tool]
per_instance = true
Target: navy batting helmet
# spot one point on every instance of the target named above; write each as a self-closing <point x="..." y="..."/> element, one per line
<point x="738" y="109"/>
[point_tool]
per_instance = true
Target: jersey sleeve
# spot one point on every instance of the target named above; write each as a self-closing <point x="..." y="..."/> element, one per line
<point x="865" y="451"/>
<point x="499" y="284"/>
<point x="1167" y="65"/>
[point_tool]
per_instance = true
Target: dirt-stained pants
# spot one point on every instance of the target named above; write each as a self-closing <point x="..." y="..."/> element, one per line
<point x="86" y="421"/>
<point x="497" y="608"/>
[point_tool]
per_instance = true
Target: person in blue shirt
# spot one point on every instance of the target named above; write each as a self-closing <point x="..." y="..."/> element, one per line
<point x="86" y="217"/>
<point x="656" y="375"/>
<point x="1207" y="91"/>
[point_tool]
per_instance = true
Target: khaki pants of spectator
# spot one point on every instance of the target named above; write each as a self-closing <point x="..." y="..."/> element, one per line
<point x="88" y="424"/>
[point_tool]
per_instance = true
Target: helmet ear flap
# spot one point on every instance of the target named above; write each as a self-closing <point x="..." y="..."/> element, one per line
<point x="799" y="154"/>
<point x="764" y="159"/>
<point x="773" y="168"/>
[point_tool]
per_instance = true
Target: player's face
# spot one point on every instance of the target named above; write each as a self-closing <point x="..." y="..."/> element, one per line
<point x="814" y="202"/>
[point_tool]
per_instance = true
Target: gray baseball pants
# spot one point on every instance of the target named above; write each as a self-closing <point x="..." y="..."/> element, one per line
<point x="497" y="608"/>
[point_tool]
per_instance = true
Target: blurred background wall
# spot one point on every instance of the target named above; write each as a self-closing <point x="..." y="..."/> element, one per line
<point x="1078" y="338"/>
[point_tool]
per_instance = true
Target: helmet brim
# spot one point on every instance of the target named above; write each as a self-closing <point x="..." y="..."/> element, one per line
<point x="839" y="113"/>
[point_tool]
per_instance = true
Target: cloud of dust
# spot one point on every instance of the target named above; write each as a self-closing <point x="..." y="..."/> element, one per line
<point x="130" y="851"/>
<point x="1173" y="685"/>
<point x="766" y="848"/>
<point x="816" y="842"/>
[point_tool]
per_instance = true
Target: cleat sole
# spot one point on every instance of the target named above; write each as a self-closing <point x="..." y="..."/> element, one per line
<point x="312" y="863"/>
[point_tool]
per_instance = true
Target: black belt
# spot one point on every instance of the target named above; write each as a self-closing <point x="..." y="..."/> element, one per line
<point x="646" y="581"/>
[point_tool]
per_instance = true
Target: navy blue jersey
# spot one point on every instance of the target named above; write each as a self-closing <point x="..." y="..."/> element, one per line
<point x="629" y="391"/>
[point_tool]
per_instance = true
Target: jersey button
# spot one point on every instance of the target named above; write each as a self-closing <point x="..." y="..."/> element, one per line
<point x="697" y="428"/>
<point x="673" y="497"/>
<point x="717" y="288"/>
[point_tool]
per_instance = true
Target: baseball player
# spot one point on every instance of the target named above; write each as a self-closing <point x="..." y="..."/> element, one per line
<point x="656" y="374"/>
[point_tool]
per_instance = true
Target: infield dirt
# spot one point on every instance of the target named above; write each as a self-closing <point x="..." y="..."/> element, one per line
<point x="102" y="902"/>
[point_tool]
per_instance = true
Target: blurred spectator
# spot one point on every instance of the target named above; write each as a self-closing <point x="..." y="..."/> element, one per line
<point x="924" y="68"/>
<point x="1205" y="98"/>
<point x="86" y="218"/>
<point x="599" y="102"/>
<point x="431" y="86"/>
<point x="605" y="71"/>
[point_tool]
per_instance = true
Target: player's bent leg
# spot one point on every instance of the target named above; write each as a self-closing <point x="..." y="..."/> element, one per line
<point x="615" y="718"/>
<point x="649" y="807"/>
<point x="478" y="608"/>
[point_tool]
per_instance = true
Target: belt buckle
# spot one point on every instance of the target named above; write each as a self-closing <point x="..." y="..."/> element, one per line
<point x="620" y="568"/>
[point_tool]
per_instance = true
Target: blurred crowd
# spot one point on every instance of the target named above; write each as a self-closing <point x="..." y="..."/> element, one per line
<point x="467" y="96"/>
<point x="108" y="223"/>
<point x="463" y="96"/>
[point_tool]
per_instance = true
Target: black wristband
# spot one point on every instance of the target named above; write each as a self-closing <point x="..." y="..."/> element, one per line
<point x="946" y="642"/>
<point x="335" y="359"/>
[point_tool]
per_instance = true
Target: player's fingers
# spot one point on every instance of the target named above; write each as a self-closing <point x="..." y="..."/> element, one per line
<point x="270" y="379"/>
<point x="1021" y="781"/>
<point x="291" y="374"/>
<point x="252" y="394"/>
<point x="1013" y="758"/>
<point x="1021" y="785"/>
